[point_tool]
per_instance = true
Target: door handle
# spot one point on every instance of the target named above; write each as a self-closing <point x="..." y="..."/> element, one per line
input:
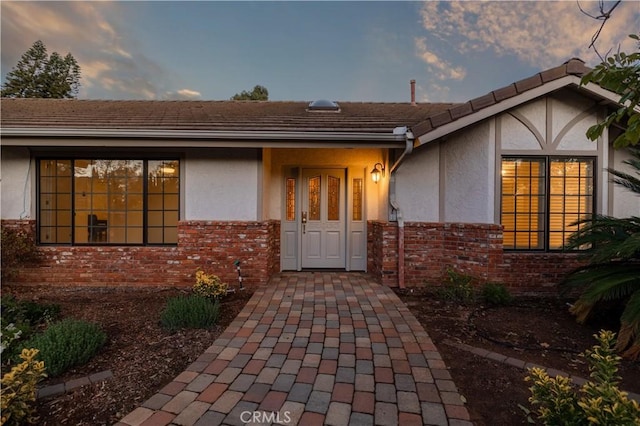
<point x="304" y="222"/>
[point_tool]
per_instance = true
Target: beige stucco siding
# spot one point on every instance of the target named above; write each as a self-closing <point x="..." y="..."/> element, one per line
<point x="16" y="184"/>
<point x="222" y="185"/>
<point x="625" y="203"/>
<point x="417" y="185"/>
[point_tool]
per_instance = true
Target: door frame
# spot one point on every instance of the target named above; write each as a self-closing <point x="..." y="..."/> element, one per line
<point x="355" y="232"/>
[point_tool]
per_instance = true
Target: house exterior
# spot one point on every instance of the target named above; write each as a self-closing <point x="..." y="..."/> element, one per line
<point x="128" y="193"/>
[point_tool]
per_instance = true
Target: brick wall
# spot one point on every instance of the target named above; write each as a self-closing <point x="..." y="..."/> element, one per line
<point x="471" y="249"/>
<point x="211" y="245"/>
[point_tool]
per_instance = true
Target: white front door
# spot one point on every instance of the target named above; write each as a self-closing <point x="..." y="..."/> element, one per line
<point x="323" y="211"/>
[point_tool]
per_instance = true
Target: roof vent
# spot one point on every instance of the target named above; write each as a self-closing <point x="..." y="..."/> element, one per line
<point x="323" y="105"/>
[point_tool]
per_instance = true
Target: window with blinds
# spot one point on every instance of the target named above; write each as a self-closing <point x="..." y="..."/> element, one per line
<point x="542" y="198"/>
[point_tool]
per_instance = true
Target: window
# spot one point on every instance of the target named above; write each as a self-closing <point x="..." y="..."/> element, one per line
<point x="91" y="201"/>
<point x="542" y="198"/>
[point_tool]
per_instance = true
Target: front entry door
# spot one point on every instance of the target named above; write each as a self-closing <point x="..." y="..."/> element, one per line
<point x="323" y="218"/>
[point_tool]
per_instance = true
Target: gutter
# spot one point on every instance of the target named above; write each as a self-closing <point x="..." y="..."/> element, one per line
<point x="409" y="140"/>
<point x="244" y="135"/>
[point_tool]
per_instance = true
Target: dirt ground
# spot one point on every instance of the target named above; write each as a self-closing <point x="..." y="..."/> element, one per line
<point x="537" y="330"/>
<point x="143" y="357"/>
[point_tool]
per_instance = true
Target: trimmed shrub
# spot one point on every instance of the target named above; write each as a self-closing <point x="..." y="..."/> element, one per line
<point x="599" y="401"/>
<point x="496" y="294"/>
<point x="190" y="312"/>
<point x="19" y="389"/>
<point x="67" y="343"/>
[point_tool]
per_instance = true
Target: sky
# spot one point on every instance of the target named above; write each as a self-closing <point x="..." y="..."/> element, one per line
<point x="302" y="51"/>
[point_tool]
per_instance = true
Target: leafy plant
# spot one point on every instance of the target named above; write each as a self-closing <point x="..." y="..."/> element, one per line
<point x="19" y="389"/>
<point x="613" y="271"/>
<point x="18" y="250"/>
<point x="457" y="288"/>
<point x="18" y="321"/>
<point x="191" y="311"/>
<point x="619" y="73"/>
<point x="496" y="294"/>
<point x="67" y="343"/>
<point x="599" y="401"/>
<point x="209" y="285"/>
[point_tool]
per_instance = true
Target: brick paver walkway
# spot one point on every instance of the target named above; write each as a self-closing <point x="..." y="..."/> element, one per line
<point x="314" y="349"/>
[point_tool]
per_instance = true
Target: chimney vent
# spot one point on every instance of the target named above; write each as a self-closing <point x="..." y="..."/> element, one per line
<point x="413" y="92"/>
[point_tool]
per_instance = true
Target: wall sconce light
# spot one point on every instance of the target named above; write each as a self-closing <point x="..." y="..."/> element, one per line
<point x="377" y="172"/>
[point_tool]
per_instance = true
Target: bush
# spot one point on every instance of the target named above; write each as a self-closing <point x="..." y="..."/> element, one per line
<point x="19" y="389"/>
<point x="18" y="321"/>
<point x="190" y="312"/>
<point x="208" y="285"/>
<point x="496" y="294"/>
<point x="67" y="343"/>
<point x="18" y="249"/>
<point x="599" y="401"/>
<point x="458" y="288"/>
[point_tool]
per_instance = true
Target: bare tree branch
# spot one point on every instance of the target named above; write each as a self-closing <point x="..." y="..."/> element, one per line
<point x="604" y="17"/>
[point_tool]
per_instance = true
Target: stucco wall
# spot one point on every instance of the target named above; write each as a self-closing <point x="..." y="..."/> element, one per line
<point x="468" y="170"/>
<point x="417" y="185"/>
<point x="625" y="203"/>
<point x="15" y="186"/>
<point x="222" y="185"/>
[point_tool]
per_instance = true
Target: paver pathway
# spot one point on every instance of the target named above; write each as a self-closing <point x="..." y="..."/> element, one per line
<point x="314" y="349"/>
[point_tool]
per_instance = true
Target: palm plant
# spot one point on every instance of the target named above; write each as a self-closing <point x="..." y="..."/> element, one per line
<point x="613" y="269"/>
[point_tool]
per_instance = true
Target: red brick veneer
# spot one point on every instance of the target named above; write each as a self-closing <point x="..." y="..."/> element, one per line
<point x="213" y="246"/>
<point x="472" y="249"/>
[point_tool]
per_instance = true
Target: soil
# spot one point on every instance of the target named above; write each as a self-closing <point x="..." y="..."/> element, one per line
<point x="143" y="357"/>
<point x="536" y="330"/>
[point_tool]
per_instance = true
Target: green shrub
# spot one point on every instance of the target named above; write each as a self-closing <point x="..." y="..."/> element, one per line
<point x="18" y="250"/>
<point x="19" y="389"/>
<point x="599" y="401"/>
<point x="190" y="312"/>
<point x="496" y="294"/>
<point x="18" y="321"/>
<point x="67" y="343"/>
<point x="457" y="288"/>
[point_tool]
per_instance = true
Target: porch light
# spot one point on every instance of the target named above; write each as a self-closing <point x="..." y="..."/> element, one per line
<point x="377" y="172"/>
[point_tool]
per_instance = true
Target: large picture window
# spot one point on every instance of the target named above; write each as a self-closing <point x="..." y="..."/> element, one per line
<point x="92" y="201"/>
<point x="542" y="199"/>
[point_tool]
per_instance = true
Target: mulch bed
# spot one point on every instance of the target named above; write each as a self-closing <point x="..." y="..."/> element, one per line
<point x="536" y="330"/>
<point x="144" y="357"/>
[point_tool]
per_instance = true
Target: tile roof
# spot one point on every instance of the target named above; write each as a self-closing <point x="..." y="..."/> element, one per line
<point x="357" y="117"/>
<point x="573" y="66"/>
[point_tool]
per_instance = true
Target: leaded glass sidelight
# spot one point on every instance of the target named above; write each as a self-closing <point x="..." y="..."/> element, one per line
<point x="291" y="198"/>
<point x="333" y="202"/>
<point x="357" y="199"/>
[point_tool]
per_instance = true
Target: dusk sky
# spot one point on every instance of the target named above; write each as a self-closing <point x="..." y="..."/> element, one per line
<point x="342" y="51"/>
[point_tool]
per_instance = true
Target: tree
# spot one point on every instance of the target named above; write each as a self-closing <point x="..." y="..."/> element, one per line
<point x="259" y="93"/>
<point x="619" y="73"/>
<point x="38" y="75"/>
<point x="613" y="271"/>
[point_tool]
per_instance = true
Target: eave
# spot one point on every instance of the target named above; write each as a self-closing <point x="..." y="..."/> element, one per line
<point x="76" y="137"/>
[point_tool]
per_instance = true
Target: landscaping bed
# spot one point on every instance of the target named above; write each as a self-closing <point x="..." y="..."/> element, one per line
<point x="143" y="356"/>
<point x="536" y="330"/>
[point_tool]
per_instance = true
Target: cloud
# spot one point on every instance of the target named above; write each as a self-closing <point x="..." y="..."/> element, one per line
<point x="95" y="33"/>
<point x="539" y="33"/>
<point x="183" y="94"/>
<point x="442" y="69"/>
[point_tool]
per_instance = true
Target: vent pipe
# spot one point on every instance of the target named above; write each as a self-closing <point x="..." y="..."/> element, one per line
<point x="413" y="92"/>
